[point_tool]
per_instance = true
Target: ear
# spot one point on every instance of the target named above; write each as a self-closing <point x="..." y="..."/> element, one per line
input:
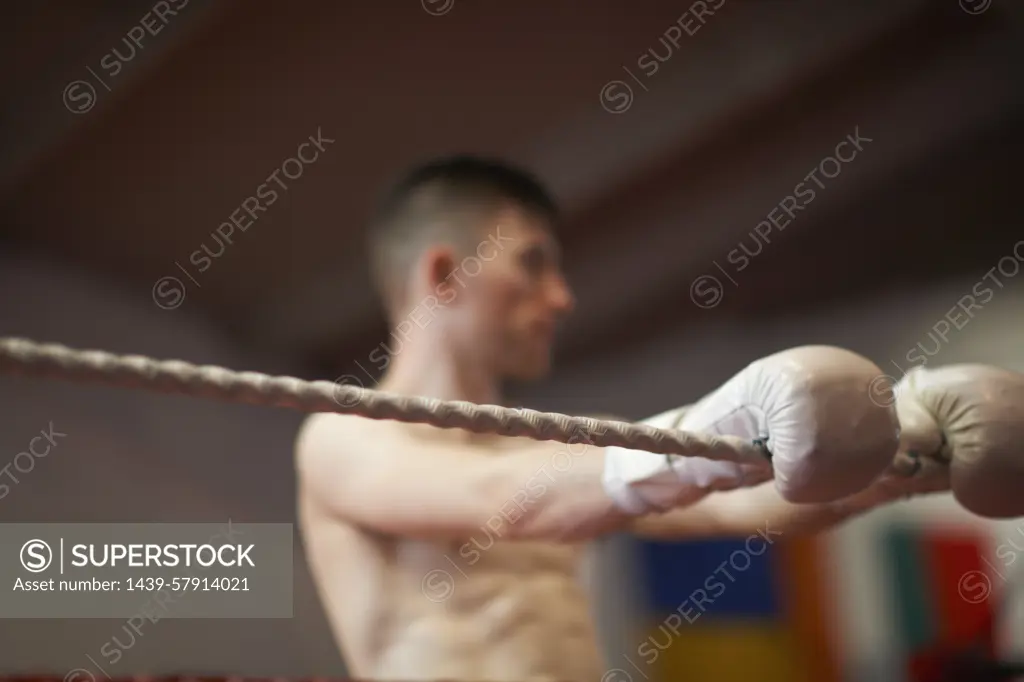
<point x="438" y="264"/>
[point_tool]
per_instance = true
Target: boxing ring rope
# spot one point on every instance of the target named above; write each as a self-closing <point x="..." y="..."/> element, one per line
<point x="49" y="360"/>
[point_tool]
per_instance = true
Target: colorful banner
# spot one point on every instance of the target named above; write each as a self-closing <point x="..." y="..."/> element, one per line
<point x="744" y="609"/>
<point x="722" y="610"/>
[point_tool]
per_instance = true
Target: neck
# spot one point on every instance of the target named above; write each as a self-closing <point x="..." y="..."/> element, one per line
<point x="438" y="371"/>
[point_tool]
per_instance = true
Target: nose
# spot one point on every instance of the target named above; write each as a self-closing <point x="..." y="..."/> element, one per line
<point x="560" y="296"/>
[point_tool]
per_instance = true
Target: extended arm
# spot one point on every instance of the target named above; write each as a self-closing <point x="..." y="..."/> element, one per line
<point x="738" y="513"/>
<point x="375" y="475"/>
<point x="810" y="401"/>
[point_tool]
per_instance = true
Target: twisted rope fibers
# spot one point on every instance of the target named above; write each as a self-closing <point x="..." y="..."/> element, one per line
<point x="49" y="360"/>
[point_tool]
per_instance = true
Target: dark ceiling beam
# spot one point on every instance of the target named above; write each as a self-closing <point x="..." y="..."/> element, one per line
<point x="947" y="214"/>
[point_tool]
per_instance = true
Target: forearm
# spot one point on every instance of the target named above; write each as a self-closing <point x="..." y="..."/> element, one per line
<point x="556" y="495"/>
<point x="740" y="513"/>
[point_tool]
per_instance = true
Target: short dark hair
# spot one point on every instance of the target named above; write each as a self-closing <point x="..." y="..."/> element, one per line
<point x="441" y="200"/>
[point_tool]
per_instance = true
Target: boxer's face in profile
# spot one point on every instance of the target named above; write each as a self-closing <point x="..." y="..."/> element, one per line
<point x="513" y="297"/>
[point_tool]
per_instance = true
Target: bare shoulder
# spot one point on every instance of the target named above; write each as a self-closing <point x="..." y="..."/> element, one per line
<point x="327" y="435"/>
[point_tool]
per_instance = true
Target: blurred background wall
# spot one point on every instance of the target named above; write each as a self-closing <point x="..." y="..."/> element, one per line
<point x="131" y="131"/>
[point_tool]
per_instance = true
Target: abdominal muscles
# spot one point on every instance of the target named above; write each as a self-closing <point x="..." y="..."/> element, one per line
<point x="505" y="627"/>
<point x="413" y="610"/>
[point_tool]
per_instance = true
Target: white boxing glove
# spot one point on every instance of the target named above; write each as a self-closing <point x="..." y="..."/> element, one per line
<point x="811" y="406"/>
<point x="642" y="482"/>
<point x="966" y="422"/>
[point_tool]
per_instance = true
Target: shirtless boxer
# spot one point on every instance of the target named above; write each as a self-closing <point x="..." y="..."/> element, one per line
<point x="384" y="506"/>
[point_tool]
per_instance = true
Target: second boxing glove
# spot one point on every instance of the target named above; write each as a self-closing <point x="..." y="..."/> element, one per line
<point x="971" y="418"/>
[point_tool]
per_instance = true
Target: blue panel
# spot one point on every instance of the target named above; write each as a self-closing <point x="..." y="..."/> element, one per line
<point x="711" y="579"/>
